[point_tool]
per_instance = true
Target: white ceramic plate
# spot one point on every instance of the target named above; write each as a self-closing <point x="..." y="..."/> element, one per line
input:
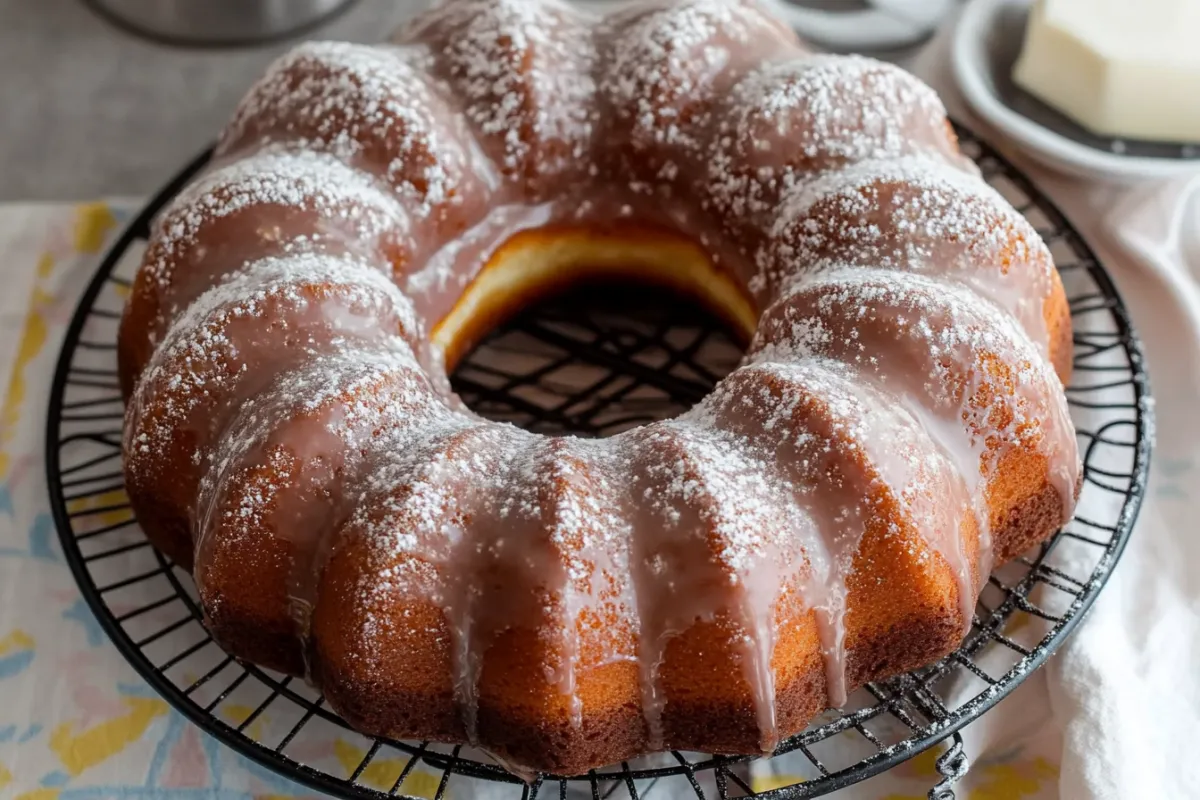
<point x="986" y="44"/>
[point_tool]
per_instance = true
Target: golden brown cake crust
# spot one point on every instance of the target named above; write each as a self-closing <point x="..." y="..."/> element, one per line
<point x="825" y="518"/>
<point x="707" y="724"/>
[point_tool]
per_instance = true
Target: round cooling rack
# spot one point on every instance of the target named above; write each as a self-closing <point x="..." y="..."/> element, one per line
<point x="594" y="365"/>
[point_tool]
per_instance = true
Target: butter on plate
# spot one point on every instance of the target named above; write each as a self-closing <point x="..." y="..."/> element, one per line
<point x="1120" y="68"/>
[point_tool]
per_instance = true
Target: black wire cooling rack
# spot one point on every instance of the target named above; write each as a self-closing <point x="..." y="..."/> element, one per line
<point x="594" y="365"/>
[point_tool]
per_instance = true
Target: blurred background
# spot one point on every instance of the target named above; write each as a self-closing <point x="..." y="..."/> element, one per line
<point x="93" y="108"/>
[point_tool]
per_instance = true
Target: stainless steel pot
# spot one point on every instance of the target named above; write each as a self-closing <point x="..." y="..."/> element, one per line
<point x="218" y="22"/>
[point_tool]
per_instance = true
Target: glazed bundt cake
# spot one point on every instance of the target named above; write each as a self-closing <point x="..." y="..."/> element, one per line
<point x="825" y="518"/>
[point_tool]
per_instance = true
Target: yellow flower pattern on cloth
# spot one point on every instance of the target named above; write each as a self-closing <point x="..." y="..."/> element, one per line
<point x="1012" y="780"/>
<point x="77" y="723"/>
<point x="383" y="774"/>
<point x="78" y="750"/>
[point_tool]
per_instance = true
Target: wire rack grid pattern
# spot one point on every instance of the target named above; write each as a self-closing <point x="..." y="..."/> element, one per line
<point x="595" y="365"/>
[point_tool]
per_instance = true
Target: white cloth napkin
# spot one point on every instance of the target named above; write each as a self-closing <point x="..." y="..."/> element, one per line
<point x="1126" y="688"/>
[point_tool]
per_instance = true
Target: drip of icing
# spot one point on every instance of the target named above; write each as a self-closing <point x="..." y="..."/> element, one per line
<point x="581" y="527"/>
<point x="965" y="453"/>
<point x="758" y="616"/>
<point x="825" y="538"/>
<point x="468" y="662"/>
<point x="218" y="355"/>
<point x="202" y="356"/>
<point x="516" y="571"/>
<point x="929" y="342"/>
<point x="568" y="683"/>
<point x="417" y="501"/>
<point x="711" y="542"/>
<point x="282" y="459"/>
<point x="534" y="561"/>
<point x="469" y="472"/>
<point x="450" y="484"/>
<point x="521" y="496"/>
<point x="836" y="442"/>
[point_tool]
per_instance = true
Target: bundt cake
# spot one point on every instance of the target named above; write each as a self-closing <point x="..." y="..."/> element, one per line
<point x="710" y="582"/>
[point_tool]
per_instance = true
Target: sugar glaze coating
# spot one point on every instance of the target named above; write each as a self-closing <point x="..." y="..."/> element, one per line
<point x="827" y="516"/>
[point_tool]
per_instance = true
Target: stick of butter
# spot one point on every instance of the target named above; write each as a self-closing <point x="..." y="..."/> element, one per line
<point x="1121" y="68"/>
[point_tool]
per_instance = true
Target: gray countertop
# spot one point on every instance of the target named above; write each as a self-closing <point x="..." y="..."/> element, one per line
<point x="87" y="110"/>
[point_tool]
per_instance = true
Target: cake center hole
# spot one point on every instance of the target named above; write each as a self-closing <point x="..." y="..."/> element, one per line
<point x="597" y="360"/>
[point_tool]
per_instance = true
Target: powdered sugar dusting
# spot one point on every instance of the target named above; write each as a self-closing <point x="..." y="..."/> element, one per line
<point x="409" y="494"/>
<point x="914" y="214"/>
<point x="714" y="537"/>
<point x="786" y="121"/>
<point x="663" y="69"/>
<point x="924" y="174"/>
<point x="523" y="69"/>
<point x="286" y="466"/>
<point x="318" y="303"/>
<point x="368" y="105"/>
<point x="726" y="485"/>
<point x="300" y="179"/>
<point x="853" y="459"/>
<point x="960" y="365"/>
<point x="869" y="317"/>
